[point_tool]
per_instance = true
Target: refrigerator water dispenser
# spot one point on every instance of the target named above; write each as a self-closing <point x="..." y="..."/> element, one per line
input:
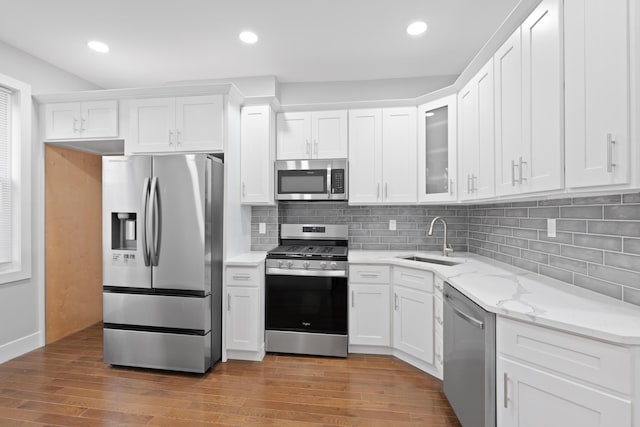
<point x="123" y="231"/>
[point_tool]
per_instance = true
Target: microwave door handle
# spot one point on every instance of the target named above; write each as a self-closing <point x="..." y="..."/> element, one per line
<point x="329" y="183"/>
<point x="143" y="221"/>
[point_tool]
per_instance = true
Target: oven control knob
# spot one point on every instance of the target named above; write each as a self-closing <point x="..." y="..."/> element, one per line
<point x="323" y="265"/>
<point x="333" y="265"/>
<point x="305" y="264"/>
<point x="289" y="264"/>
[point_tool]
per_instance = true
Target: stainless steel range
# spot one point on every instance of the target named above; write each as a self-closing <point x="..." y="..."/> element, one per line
<point x="306" y="291"/>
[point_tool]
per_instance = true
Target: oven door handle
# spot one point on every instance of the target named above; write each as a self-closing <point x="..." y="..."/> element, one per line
<point x="271" y="271"/>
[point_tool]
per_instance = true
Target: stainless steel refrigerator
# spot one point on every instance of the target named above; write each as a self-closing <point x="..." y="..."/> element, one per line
<point x="162" y="261"/>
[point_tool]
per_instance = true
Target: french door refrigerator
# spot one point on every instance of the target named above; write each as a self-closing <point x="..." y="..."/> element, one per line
<point x="162" y="261"/>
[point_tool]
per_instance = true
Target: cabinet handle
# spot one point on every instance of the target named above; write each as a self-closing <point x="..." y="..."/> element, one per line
<point x="228" y="302"/>
<point x="469" y="189"/>
<point x="395" y="301"/>
<point x="170" y="137"/>
<point x="520" y="171"/>
<point x="513" y="173"/>
<point x="474" y="183"/>
<point x="178" y="133"/>
<point x="370" y="275"/>
<point x="315" y="147"/>
<point x="241" y="277"/>
<point x="308" y="146"/>
<point x="506" y="399"/>
<point x="243" y="190"/>
<point x="353" y="299"/>
<point x="82" y="124"/>
<point x="75" y="125"/>
<point x="610" y="143"/>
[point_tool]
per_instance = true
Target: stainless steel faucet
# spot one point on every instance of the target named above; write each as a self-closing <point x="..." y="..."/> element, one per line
<point x="446" y="249"/>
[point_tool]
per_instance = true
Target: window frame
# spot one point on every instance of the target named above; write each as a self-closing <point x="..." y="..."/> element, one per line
<point x="19" y="268"/>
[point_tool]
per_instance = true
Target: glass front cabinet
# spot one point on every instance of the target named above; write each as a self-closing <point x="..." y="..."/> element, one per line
<point x="437" y="150"/>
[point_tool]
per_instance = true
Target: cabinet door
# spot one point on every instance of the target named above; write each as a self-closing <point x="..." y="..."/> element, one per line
<point x="542" y="107"/>
<point x="62" y="120"/>
<point x="399" y="155"/>
<point x="369" y="315"/>
<point x="257" y="149"/>
<point x="539" y="399"/>
<point x="365" y="156"/>
<point x="199" y="123"/>
<point x="596" y="62"/>
<point x="294" y="136"/>
<point x="484" y="184"/>
<point x="152" y="126"/>
<point x="242" y="318"/>
<point x="99" y="119"/>
<point x="468" y="138"/>
<point x="508" y="115"/>
<point x="329" y="134"/>
<point x="413" y="323"/>
<point x="437" y="142"/>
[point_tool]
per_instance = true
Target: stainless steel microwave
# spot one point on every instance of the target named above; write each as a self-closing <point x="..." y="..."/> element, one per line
<point x="311" y="179"/>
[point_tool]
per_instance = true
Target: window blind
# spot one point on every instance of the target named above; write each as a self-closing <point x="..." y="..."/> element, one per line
<point x="5" y="177"/>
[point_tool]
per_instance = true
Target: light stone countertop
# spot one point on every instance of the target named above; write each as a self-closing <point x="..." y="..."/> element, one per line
<point x="523" y="295"/>
<point x="514" y="293"/>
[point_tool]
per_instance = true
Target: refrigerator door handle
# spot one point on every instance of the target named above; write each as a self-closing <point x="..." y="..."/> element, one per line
<point x="154" y="220"/>
<point x="145" y="208"/>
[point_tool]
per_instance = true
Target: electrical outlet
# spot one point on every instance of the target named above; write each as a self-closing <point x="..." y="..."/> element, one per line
<point x="392" y="224"/>
<point x="262" y="228"/>
<point x="551" y="227"/>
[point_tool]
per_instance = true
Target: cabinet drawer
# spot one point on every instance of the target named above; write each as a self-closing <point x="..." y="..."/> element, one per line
<point x="589" y="360"/>
<point x="369" y="274"/>
<point x="415" y="279"/>
<point x="244" y="276"/>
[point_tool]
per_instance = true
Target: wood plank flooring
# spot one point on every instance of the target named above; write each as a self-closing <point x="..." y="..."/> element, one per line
<point x="66" y="384"/>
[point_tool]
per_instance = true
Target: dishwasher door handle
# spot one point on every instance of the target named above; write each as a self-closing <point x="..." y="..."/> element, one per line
<point x="475" y="322"/>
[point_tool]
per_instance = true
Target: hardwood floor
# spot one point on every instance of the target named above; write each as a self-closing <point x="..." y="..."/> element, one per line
<point x="66" y="384"/>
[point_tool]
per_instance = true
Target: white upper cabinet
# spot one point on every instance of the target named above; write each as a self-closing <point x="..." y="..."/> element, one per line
<point x="596" y="57"/>
<point x="257" y="149"/>
<point x="192" y="123"/>
<point x="382" y="155"/>
<point x="437" y="150"/>
<point x="476" y="136"/>
<point x="81" y="120"/>
<point x="528" y="105"/>
<point x="542" y="106"/>
<point x="508" y="115"/>
<point x="312" y="135"/>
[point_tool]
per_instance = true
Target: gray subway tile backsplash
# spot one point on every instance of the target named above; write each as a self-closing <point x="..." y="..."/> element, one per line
<point x="597" y="244"/>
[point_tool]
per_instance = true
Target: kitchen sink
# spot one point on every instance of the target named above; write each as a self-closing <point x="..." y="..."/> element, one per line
<point x="431" y="260"/>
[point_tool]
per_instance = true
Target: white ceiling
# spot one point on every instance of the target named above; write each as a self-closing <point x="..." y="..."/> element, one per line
<point x="157" y="41"/>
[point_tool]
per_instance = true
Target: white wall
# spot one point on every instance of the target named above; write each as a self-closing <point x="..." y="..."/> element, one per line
<point x="22" y="303"/>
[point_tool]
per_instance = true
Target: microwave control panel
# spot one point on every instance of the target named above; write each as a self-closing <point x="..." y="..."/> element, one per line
<point x="337" y="181"/>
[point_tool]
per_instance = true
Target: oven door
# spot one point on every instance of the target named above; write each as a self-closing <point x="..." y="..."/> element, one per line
<point x="308" y="304"/>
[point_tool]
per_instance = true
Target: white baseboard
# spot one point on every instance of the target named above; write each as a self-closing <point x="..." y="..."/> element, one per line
<point x="19" y="347"/>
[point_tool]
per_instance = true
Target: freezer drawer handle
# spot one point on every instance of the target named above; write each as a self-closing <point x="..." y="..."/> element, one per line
<point x="475" y="322"/>
<point x="145" y="207"/>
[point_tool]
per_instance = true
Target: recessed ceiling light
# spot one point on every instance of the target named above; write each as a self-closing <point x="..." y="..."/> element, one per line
<point x="98" y="46"/>
<point x="248" y="37"/>
<point x="417" y="28"/>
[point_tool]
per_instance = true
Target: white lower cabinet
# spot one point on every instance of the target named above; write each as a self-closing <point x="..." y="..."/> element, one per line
<point x="369" y="315"/>
<point x="413" y="323"/>
<point x="548" y="378"/>
<point x="244" y="312"/>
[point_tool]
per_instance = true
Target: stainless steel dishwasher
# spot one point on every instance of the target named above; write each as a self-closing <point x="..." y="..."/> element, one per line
<point x="469" y="359"/>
